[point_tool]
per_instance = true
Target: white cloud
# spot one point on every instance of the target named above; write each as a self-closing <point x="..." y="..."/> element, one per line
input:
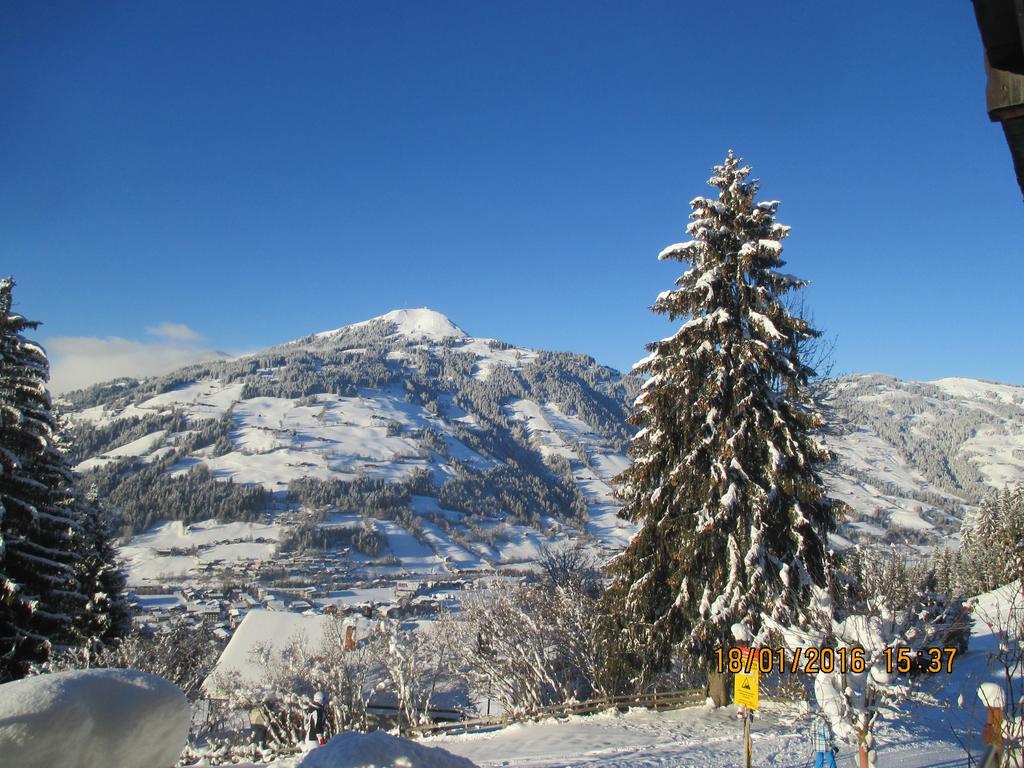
<point x="176" y="331"/>
<point x="78" y="361"/>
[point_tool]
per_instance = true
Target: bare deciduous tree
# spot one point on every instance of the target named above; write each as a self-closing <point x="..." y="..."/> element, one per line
<point x="414" y="662"/>
<point x="529" y="646"/>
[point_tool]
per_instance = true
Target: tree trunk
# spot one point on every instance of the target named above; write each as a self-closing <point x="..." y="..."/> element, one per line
<point x="718" y="687"/>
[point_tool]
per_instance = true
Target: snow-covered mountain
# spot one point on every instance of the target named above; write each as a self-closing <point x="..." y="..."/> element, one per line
<point x="912" y="456"/>
<point x="405" y="439"/>
<point x="416" y="446"/>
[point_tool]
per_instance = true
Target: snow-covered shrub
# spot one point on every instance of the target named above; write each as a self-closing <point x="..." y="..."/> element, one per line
<point x="888" y="604"/>
<point x="290" y="676"/>
<point x="178" y="651"/>
<point x="909" y="594"/>
<point x="410" y="664"/>
<point x="414" y="662"/>
<point x="572" y="566"/>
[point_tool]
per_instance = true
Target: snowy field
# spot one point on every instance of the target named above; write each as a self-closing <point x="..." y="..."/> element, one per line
<point x="687" y="738"/>
<point x="176" y="550"/>
<point x="553" y="432"/>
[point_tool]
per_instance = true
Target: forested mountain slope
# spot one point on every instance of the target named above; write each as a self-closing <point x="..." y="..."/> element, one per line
<point x="406" y="439"/>
<point x="912" y="455"/>
<point x="400" y="425"/>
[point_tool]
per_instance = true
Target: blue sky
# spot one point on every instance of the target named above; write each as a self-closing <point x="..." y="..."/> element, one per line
<point x="230" y="175"/>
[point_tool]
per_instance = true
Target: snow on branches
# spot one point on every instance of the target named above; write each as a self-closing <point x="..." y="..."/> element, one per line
<point x="733" y="516"/>
<point x="39" y="588"/>
<point x="527" y="646"/>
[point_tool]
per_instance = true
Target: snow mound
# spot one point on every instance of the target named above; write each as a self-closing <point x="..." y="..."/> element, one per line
<point x="992" y="695"/>
<point x="379" y="750"/>
<point x="92" y="718"/>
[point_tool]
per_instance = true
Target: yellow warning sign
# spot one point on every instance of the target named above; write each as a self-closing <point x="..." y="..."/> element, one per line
<point x="745" y="692"/>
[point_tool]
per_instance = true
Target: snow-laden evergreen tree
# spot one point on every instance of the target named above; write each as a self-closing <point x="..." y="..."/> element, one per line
<point x="733" y="518"/>
<point x="105" y="617"/>
<point x="39" y="590"/>
<point x="992" y="543"/>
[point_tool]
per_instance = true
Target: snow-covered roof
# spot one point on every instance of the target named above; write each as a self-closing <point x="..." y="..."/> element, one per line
<point x="275" y="629"/>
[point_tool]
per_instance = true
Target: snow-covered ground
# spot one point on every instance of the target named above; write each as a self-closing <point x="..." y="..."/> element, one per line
<point x="419" y="323"/>
<point x="378" y="750"/>
<point x="687" y="738"/>
<point x="695" y="737"/>
<point x="144" y="446"/>
<point x="553" y="433"/>
<point x="202" y="400"/>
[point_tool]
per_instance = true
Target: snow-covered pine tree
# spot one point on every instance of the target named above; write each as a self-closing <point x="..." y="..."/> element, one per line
<point x="992" y="543"/>
<point x="732" y="515"/>
<point x="105" y="617"/>
<point x="39" y="591"/>
<point x="1013" y="531"/>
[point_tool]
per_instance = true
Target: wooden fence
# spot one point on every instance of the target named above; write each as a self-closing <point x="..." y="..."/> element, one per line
<point x="657" y="700"/>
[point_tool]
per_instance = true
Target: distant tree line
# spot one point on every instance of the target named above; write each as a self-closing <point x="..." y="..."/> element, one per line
<point x="140" y="495"/>
<point x="87" y="438"/>
<point x="303" y="374"/>
<point x="311" y="536"/>
<point x="991" y="550"/>
<point x="376" y="497"/>
<point x="526" y="497"/>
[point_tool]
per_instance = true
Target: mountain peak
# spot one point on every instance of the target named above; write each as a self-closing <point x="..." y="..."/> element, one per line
<point x="419" y="323"/>
<point x="422" y="322"/>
